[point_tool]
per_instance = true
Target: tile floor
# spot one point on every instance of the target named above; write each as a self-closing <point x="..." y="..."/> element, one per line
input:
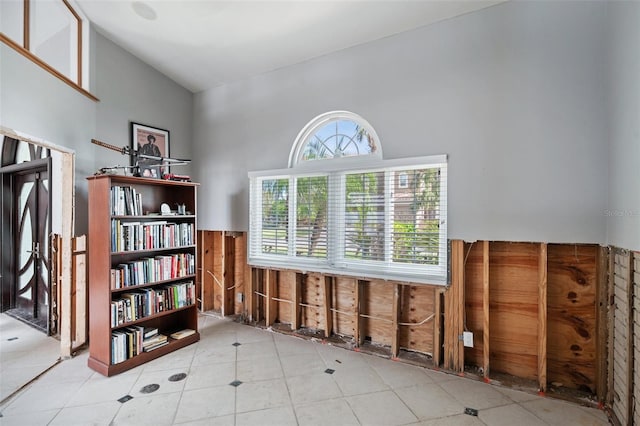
<point x="24" y="354"/>
<point x="279" y="380"/>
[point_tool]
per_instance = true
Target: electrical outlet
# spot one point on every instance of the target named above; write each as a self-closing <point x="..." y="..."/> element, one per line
<point x="467" y="338"/>
<point x="240" y="297"/>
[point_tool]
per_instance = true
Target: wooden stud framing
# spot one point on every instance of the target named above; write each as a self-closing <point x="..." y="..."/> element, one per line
<point x="250" y="295"/>
<point x="602" y="292"/>
<point x="454" y="311"/>
<point x="437" y="338"/>
<point x="485" y="309"/>
<point x="296" y="294"/>
<point x="611" y="320"/>
<point x="219" y="261"/>
<point x="271" y="304"/>
<point x="542" y="318"/>
<point x="630" y="339"/>
<point x="381" y="309"/>
<point x="460" y="305"/>
<point x="358" y="334"/>
<point x="228" y="274"/>
<point x="328" y="315"/>
<point x="80" y="291"/>
<point x="395" y="329"/>
<point x="207" y="270"/>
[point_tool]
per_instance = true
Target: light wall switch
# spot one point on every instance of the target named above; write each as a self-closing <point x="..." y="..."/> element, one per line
<point x="467" y="338"/>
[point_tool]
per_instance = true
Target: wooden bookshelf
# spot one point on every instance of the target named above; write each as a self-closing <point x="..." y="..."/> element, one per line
<point x="104" y="256"/>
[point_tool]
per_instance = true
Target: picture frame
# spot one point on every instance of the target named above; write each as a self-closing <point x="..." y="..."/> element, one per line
<point x="149" y="147"/>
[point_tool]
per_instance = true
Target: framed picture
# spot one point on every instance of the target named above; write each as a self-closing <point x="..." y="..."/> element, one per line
<point x="149" y="148"/>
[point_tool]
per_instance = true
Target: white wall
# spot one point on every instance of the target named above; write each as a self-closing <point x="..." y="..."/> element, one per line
<point x="34" y="102"/>
<point x="623" y="211"/>
<point x="513" y="93"/>
<point x="132" y="91"/>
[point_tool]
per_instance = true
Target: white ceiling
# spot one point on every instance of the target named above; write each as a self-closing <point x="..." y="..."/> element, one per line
<point x="206" y="43"/>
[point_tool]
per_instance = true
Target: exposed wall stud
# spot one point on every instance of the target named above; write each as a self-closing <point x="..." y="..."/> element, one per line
<point x="542" y="317"/>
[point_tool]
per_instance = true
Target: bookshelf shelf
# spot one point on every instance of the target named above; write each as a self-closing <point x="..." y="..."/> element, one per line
<point x="191" y="277"/>
<point x="151" y="317"/>
<point x="149" y="280"/>
<point x="153" y="251"/>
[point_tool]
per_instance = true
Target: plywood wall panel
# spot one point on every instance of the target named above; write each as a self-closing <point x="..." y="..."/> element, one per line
<point x="239" y="256"/>
<point x="377" y="307"/>
<point x="312" y="290"/>
<point x="416" y="305"/>
<point x="571" y="313"/>
<point x="207" y="261"/>
<point x="286" y="285"/>
<point x="218" y="269"/>
<point x="344" y="304"/>
<point x="473" y="302"/>
<point x="513" y="268"/>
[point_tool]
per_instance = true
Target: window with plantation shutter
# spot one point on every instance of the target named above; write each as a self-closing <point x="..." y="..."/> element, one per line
<point x="358" y="215"/>
<point x="274" y="211"/>
<point x="311" y="219"/>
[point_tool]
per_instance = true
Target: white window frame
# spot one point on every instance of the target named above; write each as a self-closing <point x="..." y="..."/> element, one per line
<point x="336" y="263"/>
<point x="336" y="169"/>
<point x="295" y="156"/>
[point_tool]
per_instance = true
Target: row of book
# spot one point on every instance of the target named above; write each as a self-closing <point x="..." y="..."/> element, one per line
<point x="132" y="341"/>
<point x="125" y="201"/>
<point x="150" y="235"/>
<point x="151" y="269"/>
<point x="150" y="301"/>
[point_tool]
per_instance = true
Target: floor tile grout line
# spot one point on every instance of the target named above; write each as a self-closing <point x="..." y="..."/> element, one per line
<point x="175" y="414"/>
<point x="235" y="390"/>
<point x="284" y="379"/>
<point x="343" y="396"/>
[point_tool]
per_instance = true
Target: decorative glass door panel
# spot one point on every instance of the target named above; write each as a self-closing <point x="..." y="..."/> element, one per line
<point x="32" y="253"/>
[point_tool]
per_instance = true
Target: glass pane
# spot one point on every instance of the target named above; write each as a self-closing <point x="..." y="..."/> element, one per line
<point x="311" y="217"/>
<point x="12" y="20"/>
<point x="275" y="216"/>
<point x="339" y="138"/>
<point x="416" y="216"/>
<point x="25" y="263"/>
<point x="54" y="36"/>
<point x="364" y="216"/>
<point x="23" y="153"/>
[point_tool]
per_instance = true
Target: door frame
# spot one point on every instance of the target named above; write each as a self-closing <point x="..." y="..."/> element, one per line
<point x="66" y="180"/>
<point x="9" y="232"/>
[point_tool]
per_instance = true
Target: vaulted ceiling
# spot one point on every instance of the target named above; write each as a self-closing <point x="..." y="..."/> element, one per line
<point x="202" y="44"/>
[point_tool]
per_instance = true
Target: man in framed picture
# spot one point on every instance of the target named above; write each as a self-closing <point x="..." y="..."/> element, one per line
<point x="150" y="167"/>
<point x="150" y="148"/>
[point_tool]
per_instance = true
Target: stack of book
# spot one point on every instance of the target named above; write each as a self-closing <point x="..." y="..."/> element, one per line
<point x="135" y="305"/>
<point x="153" y="340"/>
<point x="182" y="334"/>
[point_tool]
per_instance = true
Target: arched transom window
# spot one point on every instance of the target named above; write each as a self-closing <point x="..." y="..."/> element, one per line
<point x="334" y="135"/>
<point x="341" y="208"/>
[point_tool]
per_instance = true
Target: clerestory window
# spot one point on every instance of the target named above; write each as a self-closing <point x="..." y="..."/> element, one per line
<point x="352" y="213"/>
<point x="53" y="34"/>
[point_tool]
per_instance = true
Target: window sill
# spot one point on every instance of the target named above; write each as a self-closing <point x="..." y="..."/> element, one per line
<point x="361" y="275"/>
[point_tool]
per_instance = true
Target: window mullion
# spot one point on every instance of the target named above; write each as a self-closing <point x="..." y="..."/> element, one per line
<point x="293" y="215"/>
<point x="337" y="224"/>
<point x="388" y="216"/>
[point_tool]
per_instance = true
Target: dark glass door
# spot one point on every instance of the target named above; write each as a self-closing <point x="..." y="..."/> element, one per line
<point x="32" y="298"/>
